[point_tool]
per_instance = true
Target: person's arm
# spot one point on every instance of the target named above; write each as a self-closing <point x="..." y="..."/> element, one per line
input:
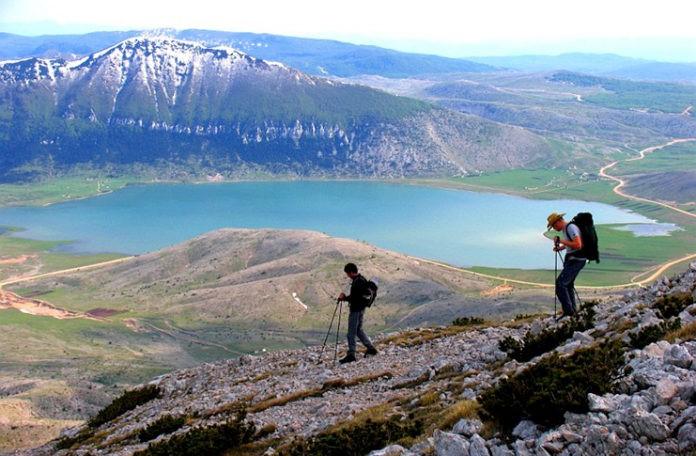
<point x="575" y="243"/>
<point x="343" y="297"/>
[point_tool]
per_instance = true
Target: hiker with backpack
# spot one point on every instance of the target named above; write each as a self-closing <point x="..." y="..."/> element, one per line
<point x="579" y="242"/>
<point x="362" y="294"/>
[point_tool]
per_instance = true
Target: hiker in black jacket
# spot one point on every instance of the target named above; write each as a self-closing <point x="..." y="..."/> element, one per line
<point x="357" y="303"/>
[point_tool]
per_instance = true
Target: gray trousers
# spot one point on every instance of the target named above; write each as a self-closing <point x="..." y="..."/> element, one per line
<point x="355" y="323"/>
<point x="565" y="285"/>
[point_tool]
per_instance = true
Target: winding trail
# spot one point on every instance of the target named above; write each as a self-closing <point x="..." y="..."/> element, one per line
<point x="641" y="155"/>
<point x="63" y="271"/>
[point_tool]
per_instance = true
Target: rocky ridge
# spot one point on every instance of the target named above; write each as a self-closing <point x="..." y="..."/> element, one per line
<point x="651" y="410"/>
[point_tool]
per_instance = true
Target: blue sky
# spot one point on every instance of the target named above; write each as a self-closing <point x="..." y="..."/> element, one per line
<point x="639" y="28"/>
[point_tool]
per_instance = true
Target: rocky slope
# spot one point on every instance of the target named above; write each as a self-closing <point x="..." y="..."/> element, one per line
<point x="162" y="103"/>
<point x="220" y="295"/>
<point x="442" y="379"/>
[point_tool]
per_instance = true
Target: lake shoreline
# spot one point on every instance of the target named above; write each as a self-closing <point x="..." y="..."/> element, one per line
<point x="441" y="183"/>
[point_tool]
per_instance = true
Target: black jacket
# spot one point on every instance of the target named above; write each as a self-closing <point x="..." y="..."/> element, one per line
<point x="358" y="291"/>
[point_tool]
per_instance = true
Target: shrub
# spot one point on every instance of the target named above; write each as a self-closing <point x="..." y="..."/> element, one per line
<point x="164" y="425"/>
<point x="553" y="386"/>
<point x="671" y="305"/>
<point x="124" y="403"/>
<point x="468" y="321"/>
<point x="524" y="316"/>
<point x="209" y="441"/>
<point x="653" y="333"/>
<point x="354" y="439"/>
<point x="536" y="344"/>
<point x="66" y="443"/>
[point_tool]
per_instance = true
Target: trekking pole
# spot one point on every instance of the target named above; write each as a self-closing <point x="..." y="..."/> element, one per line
<point x="328" y="332"/>
<point x="555" y="274"/>
<point x="338" y="329"/>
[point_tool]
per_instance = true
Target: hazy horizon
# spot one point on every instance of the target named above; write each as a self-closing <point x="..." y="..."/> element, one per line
<point x="498" y="28"/>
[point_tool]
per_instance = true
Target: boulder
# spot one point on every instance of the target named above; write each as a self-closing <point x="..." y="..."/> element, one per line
<point x="583" y="338"/>
<point x="665" y="390"/>
<point x="687" y="415"/>
<point x="501" y="450"/>
<point x="524" y="448"/>
<point x="478" y="446"/>
<point x="467" y="428"/>
<point x="687" y="437"/>
<point x="603" y="404"/>
<point x="686" y="316"/>
<point x="391" y="450"/>
<point x="425" y="447"/>
<point x="656" y="349"/>
<point x="678" y="356"/>
<point x="647" y="424"/>
<point x="526" y="429"/>
<point x="571" y="437"/>
<point x="448" y="444"/>
<point x="552" y="441"/>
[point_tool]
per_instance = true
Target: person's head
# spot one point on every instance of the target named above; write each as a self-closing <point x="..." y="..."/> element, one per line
<point x="555" y="221"/>
<point x="351" y="270"/>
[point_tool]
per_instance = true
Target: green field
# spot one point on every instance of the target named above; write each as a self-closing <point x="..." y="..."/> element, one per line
<point x="60" y="189"/>
<point x="41" y="256"/>
<point x="628" y="94"/>
<point x="677" y="157"/>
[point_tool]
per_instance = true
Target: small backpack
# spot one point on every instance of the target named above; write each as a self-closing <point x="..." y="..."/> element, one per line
<point x="371" y="294"/>
<point x="588" y="234"/>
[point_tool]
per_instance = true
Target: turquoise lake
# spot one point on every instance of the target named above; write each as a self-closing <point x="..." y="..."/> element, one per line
<point x="459" y="227"/>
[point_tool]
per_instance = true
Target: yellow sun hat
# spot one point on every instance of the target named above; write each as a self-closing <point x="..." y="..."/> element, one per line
<point x="553" y="218"/>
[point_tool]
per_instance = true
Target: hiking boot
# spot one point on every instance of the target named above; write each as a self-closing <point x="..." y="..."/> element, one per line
<point x="349" y="358"/>
<point x="563" y="315"/>
<point x="370" y="352"/>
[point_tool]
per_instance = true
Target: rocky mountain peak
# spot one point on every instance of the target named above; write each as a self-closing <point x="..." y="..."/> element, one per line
<point x="155" y="56"/>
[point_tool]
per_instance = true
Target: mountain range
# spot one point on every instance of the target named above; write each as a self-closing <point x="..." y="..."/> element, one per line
<point x="336" y="58"/>
<point x="159" y="102"/>
<point x="313" y="56"/>
<point x="610" y="65"/>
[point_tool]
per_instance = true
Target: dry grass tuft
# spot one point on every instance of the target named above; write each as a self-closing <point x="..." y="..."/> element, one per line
<point x="686" y="332"/>
<point x="457" y="411"/>
<point x="429" y="398"/>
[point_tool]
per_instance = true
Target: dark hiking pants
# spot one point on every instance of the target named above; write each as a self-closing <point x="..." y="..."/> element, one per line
<point x="565" y="284"/>
<point x="355" y="328"/>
